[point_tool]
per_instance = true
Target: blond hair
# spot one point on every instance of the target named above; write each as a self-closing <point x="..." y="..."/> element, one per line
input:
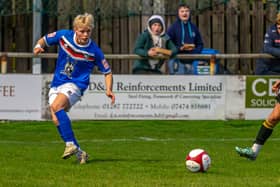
<point x="85" y="19"/>
<point x="278" y="19"/>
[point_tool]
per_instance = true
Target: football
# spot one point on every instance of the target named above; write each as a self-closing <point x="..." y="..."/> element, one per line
<point x="198" y="160"/>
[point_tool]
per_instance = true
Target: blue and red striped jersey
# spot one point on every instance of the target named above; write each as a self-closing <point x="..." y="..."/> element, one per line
<point x="75" y="62"/>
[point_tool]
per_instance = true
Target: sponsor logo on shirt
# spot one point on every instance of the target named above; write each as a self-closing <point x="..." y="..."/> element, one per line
<point x="105" y="64"/>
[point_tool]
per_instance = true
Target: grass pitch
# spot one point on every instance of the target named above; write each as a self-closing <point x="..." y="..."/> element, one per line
<point x="136" y="153"/>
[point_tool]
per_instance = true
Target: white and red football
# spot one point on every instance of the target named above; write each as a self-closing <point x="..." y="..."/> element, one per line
<point x="198" y="160"/>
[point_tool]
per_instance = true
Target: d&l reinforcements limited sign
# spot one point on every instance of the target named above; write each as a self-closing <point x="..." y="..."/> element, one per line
<point x="24" y="97"/>
<point x="154" y="97"/>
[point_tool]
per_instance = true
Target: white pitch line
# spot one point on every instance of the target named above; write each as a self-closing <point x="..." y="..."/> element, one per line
<point x="140" y="139"/>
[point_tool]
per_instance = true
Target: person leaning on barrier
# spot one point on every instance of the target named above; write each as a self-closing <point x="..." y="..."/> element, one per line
<point x="186" y="36"/>
<point x="265" y="130"/>
<point x="152" y="43"/>
<point x="271" y="46"/>
<point x="77" y="57"/>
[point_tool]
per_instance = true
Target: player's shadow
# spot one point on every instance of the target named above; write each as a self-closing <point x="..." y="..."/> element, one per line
<point x="97" y="160"/>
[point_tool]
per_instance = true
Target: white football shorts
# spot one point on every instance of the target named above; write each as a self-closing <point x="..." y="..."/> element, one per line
<point x="69" y="89"/>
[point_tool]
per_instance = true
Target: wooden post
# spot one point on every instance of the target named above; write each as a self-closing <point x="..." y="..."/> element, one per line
<point x="106" y="27"/>
<point x="124" y="37"/>
<point x="48" y="65"/>
<point x="245" y="36"/>
<point x="212" y="64"/>
<point x="134" y="26"/>
<point x="204" y="22"/>
<point x="116" y="38"/>
<point x="3" y="64"/>
<point x="232" y="35"/>
<point x="147" y="11"/>
<point x="171" y="12"/>
<point x="159" y="9"/>
<point x="96" y="13"/>
<point x="106" y="34"/>
<point x="192" y="4"/>
<point x="218" y="28"/>
<point x="257" y="25"/>
<point x="64" y="8"/>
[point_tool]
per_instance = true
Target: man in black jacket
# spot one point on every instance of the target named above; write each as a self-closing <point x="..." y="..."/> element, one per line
<point x="272" y="46"/>
<point x="187" y="38"/>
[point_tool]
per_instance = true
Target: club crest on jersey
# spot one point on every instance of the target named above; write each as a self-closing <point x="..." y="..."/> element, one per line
<point x="105" y="64"/>
<point x="68" y="69"/>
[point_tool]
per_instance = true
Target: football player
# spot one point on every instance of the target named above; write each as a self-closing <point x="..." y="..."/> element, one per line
<point x="265" y="130"/>
<point x="78" y="54"/>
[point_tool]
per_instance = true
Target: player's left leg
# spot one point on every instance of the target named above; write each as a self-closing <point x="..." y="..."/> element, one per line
<point x="264" y="133"/>
<point x="58" y="107"/>
<point x="61" y="99"/>
<point x="56" y="122"/>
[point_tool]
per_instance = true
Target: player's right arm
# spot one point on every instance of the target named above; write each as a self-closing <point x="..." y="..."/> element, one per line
<point x="109" y="87"/>
<point x="276" y="86"/>
<point x="39" y="47"/>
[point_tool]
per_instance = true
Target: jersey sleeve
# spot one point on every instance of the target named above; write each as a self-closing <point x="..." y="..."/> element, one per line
<point x="53" y="38"/>
<point x="101" y="62"/>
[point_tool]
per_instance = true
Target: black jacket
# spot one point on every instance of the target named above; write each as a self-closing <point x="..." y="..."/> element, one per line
<point x="271" y="46"/>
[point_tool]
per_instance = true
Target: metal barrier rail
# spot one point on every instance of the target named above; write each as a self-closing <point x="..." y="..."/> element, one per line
<point x="133" y="56"/>
<point x="212" y="57"/>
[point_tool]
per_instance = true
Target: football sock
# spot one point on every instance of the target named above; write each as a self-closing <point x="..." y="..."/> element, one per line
<point x="76" y="142"/>
<point x="69" y="143"/>
<point x="65" y="126"/>
<point x="62" y="137"/>
<point x="263" y="134"/>
<point x="60" y="133"/>
<point x="256" y="148"/>
<point x="79" y="152"/>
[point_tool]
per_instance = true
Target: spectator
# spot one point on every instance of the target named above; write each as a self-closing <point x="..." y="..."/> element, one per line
<point x="153" y="42"/>
<point x="272" y="46"/>
<point x="186" y="36"/>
